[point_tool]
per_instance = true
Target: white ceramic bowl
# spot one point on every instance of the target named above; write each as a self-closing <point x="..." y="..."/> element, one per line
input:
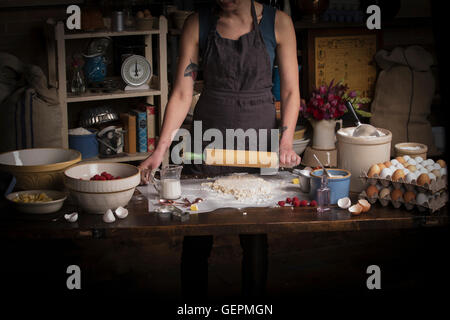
<point x="39" y="168"/>
<point x="38" y="207"/>
<point x="300" y="145"/>
<point x="99" y="196"/>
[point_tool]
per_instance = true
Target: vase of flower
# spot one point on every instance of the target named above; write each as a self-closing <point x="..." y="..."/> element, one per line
<point x="325" y="108"/>
<point x="324" y="137"/>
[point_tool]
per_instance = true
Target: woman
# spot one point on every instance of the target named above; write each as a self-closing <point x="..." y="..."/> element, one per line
<point x="237" y="42"/>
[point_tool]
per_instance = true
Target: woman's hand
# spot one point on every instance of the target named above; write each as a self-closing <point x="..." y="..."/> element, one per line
<point x="288" y="157"/>
<point x="149" y="164"/>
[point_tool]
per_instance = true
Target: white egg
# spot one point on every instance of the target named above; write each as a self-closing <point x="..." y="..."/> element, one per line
<point x="399" y="166"/>
<point x="443" y="171"/>
<point x="421" y="198"/>
<point x="437" y="166"/>
<point x="386" y="172"/>
<point x="406" y="171"/>
<point x="430" y="161"/>
<point x="419" y="166"/>
<point x="418" y="159"/>
<point x="412" y="162"/>
<point x="432" y="176"/>
<point x="410" y="177"/>
<point x="430" y="167"/>
<point x="394" y="162"/>
<point x="406" y="158"/>
<point x="423" y="170"/>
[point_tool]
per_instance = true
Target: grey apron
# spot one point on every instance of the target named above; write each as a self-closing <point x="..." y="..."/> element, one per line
<point x="237" y="89"/>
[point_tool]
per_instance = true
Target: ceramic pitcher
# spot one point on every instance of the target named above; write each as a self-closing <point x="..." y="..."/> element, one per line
<point x="324" y="137"/>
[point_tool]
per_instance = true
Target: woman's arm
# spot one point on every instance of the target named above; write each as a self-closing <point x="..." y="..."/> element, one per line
<point x="290" y="93"/>
<point x="181" y="97"/>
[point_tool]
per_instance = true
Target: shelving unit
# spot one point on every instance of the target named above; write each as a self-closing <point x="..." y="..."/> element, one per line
<point x="58" y="78"/>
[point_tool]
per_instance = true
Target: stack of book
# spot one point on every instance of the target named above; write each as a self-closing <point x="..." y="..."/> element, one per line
<point x="140" y="129"/>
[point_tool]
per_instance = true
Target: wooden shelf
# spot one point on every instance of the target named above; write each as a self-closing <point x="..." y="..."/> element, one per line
<point x="129" y="157"/>
<point x="99" y="34"/>
<point x="92" y="96"/>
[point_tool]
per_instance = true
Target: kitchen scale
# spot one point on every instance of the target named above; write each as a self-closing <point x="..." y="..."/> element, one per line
<point x="136" y="72"/>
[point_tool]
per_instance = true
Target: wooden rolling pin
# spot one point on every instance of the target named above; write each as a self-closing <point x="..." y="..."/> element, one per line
<point x="236" y="158"/>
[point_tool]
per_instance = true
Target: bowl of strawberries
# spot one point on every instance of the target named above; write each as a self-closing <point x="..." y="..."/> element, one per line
<point x="99" y="186"/>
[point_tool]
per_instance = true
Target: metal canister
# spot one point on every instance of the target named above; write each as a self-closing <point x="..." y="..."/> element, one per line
<point x="117" y="21"/>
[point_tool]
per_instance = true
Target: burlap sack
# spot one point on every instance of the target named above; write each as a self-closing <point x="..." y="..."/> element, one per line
<point x="31" y="116"/>
<point x="403" y="95"/>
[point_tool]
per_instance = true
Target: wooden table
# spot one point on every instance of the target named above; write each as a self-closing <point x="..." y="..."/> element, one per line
<point x="141" y="223"/>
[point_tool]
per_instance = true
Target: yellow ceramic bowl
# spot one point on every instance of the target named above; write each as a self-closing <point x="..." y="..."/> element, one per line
<point x="39" y="168"/>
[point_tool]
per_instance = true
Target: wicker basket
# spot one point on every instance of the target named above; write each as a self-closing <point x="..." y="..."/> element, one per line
<point x="420" y="151"/>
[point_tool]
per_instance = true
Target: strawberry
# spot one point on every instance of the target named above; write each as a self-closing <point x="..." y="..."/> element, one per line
<point x="102" y="178"/>
<point x="296" y="203"/>
<point x="288" y="200"/>
<point x="303" y="203"/>
<point x="313" y="203"/>
<point x="117" y="177"/>
<point x="295" y="199"/>
<point x="281" y="203"/>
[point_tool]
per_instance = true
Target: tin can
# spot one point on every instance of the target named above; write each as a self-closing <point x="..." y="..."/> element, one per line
<point x="117" y="21"/>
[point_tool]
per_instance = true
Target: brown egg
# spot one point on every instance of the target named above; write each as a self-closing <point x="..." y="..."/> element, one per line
<point x="381" y="166"/>
<point x="401" y="160"/>
<point x="372" y="191"/>
<point x="374" y="170"/>
<point x="396" y="194"/>
<point x="411" y="168"/>
<point x="441" y="163"/>
<point x="423" y="179"/>
<point x="387" y="164"/>
<point x="437" y="173"/>
<point x="398" y="174"/>
<point x="409" y="196"/>
<point x="365" y="205"/>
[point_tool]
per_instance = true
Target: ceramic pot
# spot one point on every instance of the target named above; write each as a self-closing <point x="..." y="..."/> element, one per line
<point x="324" y="137"/>
<point x="339" y="183"/>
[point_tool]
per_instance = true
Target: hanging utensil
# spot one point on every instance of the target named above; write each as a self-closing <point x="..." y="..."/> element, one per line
<point x="361" y="129"/>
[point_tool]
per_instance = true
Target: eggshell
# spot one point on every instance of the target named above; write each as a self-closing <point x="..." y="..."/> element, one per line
<point x="387" y="164"/>
<point x="418" y="159"/>
<point x="409" y="196"/>
<point x="384" y="193"/>
<point x="71" y="217"/>
<point x="108" y="217"/>
<point x="429" y="167"/>
<point x="406" y="171"/>
<point x="412" y="161"/>
<point x="344" y="203"/>
<point x="423" y="179"/>
<point x="355" y="209"/>
<point x="406" y="158"/>
<point x="399" y="166"/>
<point x="385" y="173"/>
<point x="421" y="198"/>
<point x="400" y="159"/>
<point x="372" y="191"/>
<point x="432" y="176"/>
<point x="396" y="194"/>
<point x="419" y="166"/>
<point x="365" y="205"/>
<point x="442" y="163"/>
<point x="121" y="212"/>
<point x="411" y="168"/>
<point x="398" y="174"/>
<point x="437" y="173"/>
<point x="410" y="177"/>
<point x="430" y="161"/>
<point x="381" y="166"/>
<point x="394" y="162"/>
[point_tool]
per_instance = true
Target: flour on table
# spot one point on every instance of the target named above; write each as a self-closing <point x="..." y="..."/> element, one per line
<point x="242" y="187"/>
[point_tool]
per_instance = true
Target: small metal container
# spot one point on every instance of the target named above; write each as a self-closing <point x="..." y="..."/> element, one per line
<point x="117" y="21"/>
<point x="304" y="180"/>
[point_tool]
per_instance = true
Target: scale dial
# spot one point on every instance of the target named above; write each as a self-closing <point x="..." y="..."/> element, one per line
<point x="136" y="71"/>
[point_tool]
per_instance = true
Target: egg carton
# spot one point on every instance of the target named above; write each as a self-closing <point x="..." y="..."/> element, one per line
<point x="435" y="201"/>
<point x="436" y="185"/>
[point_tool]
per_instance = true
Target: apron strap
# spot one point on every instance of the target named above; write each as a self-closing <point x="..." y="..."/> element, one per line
<point x="255" y="18"/>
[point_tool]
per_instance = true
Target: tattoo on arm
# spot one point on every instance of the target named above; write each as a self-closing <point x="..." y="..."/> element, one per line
<point x="191" y="70"/>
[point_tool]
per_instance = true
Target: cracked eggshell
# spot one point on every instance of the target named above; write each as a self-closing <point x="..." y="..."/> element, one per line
<point x="109" y="217"/>
<point x="71" y="217"/>
<point x="365" y="205"/>
<point x="355" y="209"/>
<point x="121" y="212"/>
<point x="344" y="203"/>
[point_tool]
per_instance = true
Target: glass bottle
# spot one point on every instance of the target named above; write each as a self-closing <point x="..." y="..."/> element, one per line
<point x="77" y="85"/>
<point x="323" y="195"/>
